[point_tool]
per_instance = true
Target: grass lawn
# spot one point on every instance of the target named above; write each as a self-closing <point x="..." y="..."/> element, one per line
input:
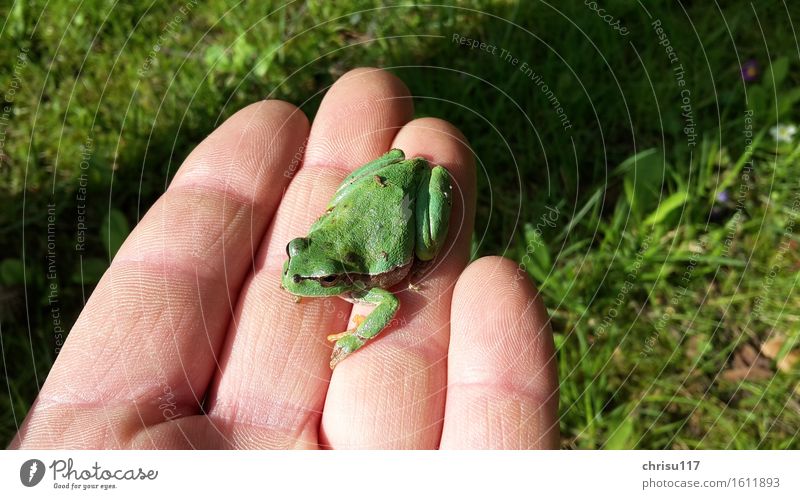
<point x="624" y="161"/>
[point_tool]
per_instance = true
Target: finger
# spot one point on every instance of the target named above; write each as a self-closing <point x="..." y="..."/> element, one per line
<point x="143" y="349"/>
<point x="502" y="390"/>
<point x="275" y="364"/>
<point x="391" y="392"/>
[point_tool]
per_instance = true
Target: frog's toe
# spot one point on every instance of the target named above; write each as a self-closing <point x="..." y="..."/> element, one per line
<point x="346" y="345"/>
<point x="337" y="336"/>
<point x="336" y="357"/>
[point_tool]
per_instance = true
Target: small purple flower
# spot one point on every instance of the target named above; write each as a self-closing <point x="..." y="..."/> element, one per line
<point x="723" y="196"/>
<point x="751" y="70"/>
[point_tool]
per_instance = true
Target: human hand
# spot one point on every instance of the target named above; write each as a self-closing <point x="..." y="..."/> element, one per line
<point x="188" y="342"/>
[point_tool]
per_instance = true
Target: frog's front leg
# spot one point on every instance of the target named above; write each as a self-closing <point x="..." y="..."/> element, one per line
<point x="386" y="306"/>
<point x="434" y="200"/>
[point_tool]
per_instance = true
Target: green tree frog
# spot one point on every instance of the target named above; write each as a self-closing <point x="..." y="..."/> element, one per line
<point x="386" y="218"/>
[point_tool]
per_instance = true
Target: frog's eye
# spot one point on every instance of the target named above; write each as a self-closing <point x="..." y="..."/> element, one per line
<point x="328" y="280"/>
<point x="296" y="245"/>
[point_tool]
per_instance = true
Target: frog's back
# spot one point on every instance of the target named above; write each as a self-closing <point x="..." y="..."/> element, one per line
<point x="370" y="226"/>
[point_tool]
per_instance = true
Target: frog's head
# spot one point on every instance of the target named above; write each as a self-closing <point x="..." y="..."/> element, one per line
<point x="310" y="271"/>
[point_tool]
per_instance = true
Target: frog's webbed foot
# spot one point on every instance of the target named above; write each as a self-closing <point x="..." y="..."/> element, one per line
<point x="367" y="327"/>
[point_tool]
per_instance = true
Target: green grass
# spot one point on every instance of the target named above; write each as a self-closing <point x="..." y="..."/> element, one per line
<point x="654" y="286"/>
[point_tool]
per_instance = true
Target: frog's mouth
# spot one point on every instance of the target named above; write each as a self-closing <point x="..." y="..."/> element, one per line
<point x="344" y="280"/>
<point x="329" y="281"/>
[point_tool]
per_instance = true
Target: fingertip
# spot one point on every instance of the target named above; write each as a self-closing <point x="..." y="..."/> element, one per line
<point x="498" y="277"/>
<point x="380" y="79"/>
<point x="271" y="109"/>
<point x="244" y="153"/>
<point x="497" y="309"/>
<point x="281" y="114"/>
<point x="358" y="118"/>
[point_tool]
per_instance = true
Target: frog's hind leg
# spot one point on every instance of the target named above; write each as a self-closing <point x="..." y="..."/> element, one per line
<point x="434" y="201"/>
<point x="351" y="340"/>
<point x="357" y="320"/>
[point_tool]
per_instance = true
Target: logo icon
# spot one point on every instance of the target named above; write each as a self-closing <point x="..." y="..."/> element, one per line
<point x="31" y="472"/>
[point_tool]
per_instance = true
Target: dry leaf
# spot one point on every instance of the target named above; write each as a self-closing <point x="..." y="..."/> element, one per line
<point x="748" y="364"/>
<point x="748" y="354"/>
<point x="746" y="373"/>
<point x="789" y="361"/>
<point x="772" y="346"/>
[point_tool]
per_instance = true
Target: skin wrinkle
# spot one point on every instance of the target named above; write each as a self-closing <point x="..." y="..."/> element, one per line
<point x="130" y="304"/>
<point x="280" y="415"/>
<point x="73" y="428"/>
<point x="203" y="246"/>
<point x="509" y="423"/>
<point x="302" y="420"/>
<point x="513" y="375"/>
<point x="144" y="395"/>
<point x="164" y="266"/>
